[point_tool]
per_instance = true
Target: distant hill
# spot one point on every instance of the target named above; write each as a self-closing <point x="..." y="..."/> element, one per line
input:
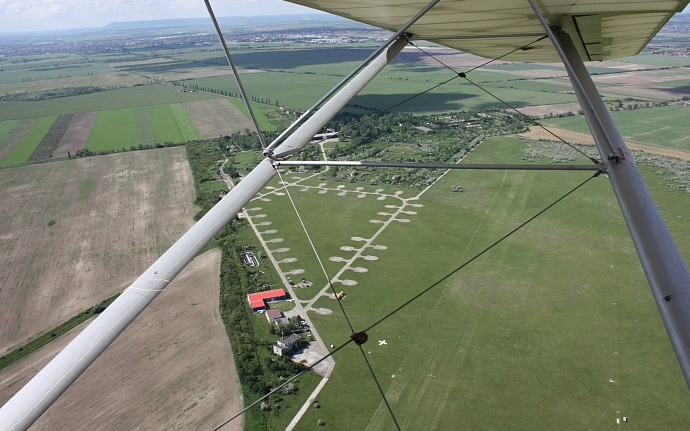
<point x="241" y="22"/>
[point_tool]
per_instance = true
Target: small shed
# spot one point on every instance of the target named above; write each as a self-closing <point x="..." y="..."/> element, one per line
<point x="273" y="314"/>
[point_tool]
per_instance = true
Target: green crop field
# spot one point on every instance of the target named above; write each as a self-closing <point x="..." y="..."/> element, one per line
<point x="657" y="60"/>
<point x="187" y="128"/>
<point x="171" y="123"/>
<point x="114" y="99"/>
<point x="293" y="90"/>
<point x="557" y="320"/>
<point x="393" y="86"/>
<point x="21" y="152"/>
<point x="661" y="127"/>
<point x="284" y="57"/>
<point x="52" y="72"/>
<point x="6" y="126"/>
<point x="144" y="129"/>
<point x="115" y="79"/>
<point x="676" y="83"/>
<point x="538" y="85"/>
<point x="113" y="130"/>
<point x="263" y="114"/>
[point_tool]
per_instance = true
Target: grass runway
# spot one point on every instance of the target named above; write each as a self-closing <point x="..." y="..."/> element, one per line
<point x="553" y="329"/>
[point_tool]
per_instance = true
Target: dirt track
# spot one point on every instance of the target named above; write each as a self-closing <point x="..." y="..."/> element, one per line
<point x="577" y="137"/>
<point x="171" y="369"/>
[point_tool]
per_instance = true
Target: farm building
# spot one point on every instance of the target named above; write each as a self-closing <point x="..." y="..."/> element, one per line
<point x="276" y="316"/>
<point x="258" y="300"/>
<point x="285" y="345"/>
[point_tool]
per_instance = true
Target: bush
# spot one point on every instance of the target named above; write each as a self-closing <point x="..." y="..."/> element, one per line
<point x="288" y="389"/>
<point x="320" y="422"/>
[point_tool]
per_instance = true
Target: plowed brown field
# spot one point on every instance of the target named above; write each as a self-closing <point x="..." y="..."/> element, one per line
<point x="76" y="135"/>
<point x="217" y="117"/>
<point x="171" y="369"/>
<point x="75" y="232"/>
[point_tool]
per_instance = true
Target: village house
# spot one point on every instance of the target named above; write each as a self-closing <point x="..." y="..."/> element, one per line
<point x="285" y="345"/>
<point x="276" y="316"/>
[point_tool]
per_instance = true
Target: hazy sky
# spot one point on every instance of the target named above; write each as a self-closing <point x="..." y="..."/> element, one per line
<point x="30" y="15"/>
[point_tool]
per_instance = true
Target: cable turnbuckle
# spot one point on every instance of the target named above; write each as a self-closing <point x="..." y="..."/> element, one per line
<point x="359" y="337"/>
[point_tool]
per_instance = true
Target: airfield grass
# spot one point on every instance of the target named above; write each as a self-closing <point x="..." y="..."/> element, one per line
<point x="22" y="151"/>
<point x="142" y="95"/>
<point x="553" y="329"/>
<point x="113" y="130"/>
<point x="289" y="404"/>
<point x="340" y="225"/>
<point x="653" y="126"/>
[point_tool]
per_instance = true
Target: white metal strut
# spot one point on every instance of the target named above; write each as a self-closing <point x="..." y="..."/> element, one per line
<point x="29" y="403"/>
<point x="666" y="271"/>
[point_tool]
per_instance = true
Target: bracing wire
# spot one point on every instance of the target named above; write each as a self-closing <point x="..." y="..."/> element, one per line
<point x="405" y="304"/>
<point x="511" y="107"/>
<point x="523" y="47"/>
<point x="277" y="388"/>
<point x="478" y="255"/>
<point x="532" y="121"/>
<point x="236" y="74"/>
<point x="442" y="279"/>
<point x="313" y="248"/>
<point x="340" y="304"/>
<point x="395" y="105"/>
<point x="464" y="75"/>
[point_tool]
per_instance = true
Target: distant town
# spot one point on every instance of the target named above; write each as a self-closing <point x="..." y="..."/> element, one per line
<point x="120" y="37"/>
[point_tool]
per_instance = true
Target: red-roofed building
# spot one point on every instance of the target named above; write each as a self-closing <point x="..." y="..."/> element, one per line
<point x="258" y="300"/>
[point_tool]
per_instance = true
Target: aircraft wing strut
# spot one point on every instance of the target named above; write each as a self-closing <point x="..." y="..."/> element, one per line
<point x="666" y="271"/>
